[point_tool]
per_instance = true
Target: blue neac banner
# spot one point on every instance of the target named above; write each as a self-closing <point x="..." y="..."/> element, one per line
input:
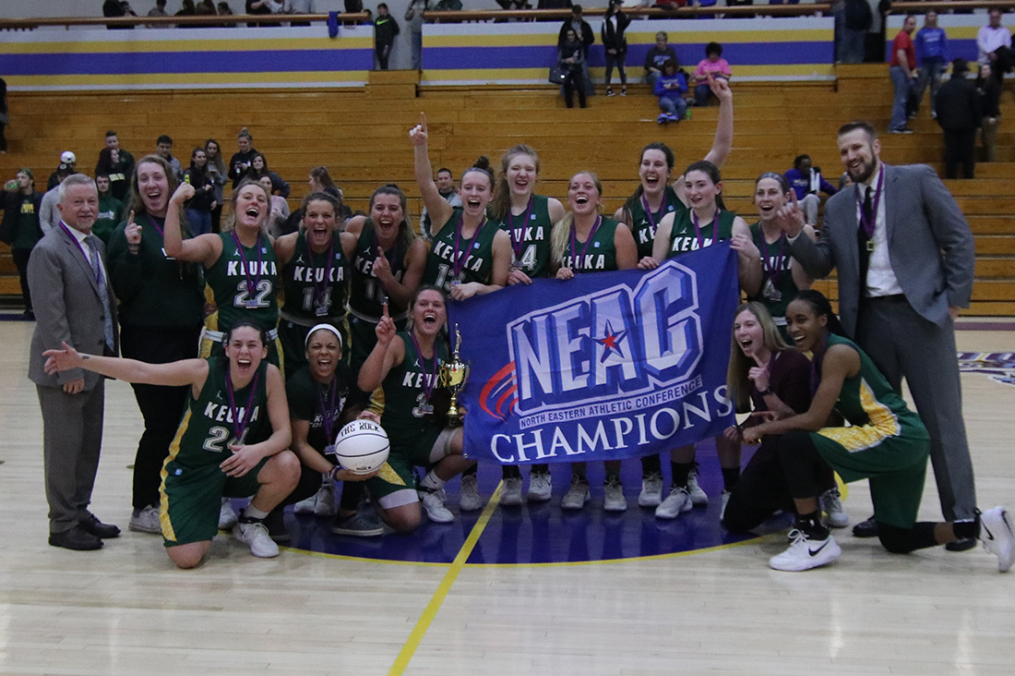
<point x="600" y="367"/>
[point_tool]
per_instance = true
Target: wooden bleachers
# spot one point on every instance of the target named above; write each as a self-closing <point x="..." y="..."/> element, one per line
<point x="360" y="135"/>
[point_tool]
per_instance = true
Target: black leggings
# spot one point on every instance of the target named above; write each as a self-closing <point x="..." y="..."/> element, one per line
<point x="617" y="59"/>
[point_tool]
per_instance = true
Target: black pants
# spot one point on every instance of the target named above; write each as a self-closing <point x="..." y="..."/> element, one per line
<point x="574" y="81"/>
<point x="617" y="59"/>
<point x="21" y="257"/>
<point x="383" y="51"/>
<point x="3" y="138"/>
<point x="960" y="145"/>
<point x="160" y="406"/>
<point x="310" y="482"/>
<point x="216" y="219"/>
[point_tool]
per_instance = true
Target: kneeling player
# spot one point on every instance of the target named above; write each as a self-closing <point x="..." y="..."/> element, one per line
<point x="236" y="408"/>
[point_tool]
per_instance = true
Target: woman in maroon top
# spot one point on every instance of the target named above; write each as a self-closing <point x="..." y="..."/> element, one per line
<point x="771" y="378"/>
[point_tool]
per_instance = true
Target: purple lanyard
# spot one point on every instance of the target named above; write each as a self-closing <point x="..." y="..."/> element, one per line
<point x="648" y="212"/>
<point x="518" y="244"/>
<point x="320" y="291"/>
<point x="773" y="270"/>
<point x="697" y="228"/>
<point x="430" y="375"/>
<point x="328" y="407"/>
<point x="240" y="426"/>
<point x="868" y="226"/>
<point x="251" y="285"/>
<point x="457" y="266"/>
<point x="155" y="225"/>
<point x="96" y="271"/>
<point x="574" y="243"/>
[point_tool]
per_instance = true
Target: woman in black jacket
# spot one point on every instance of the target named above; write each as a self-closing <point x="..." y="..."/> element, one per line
<point x="570" y="57"/>
<point x="615" y="42"/>
<point x="203" y="202"/>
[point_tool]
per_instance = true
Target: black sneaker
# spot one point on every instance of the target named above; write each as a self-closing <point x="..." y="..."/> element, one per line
<point x="866" y="529"/>
<point x="901" y="130"/>
<point x="275" y="523"/>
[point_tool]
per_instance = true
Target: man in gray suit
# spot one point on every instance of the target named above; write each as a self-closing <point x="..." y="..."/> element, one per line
<point x="904" y="254"/>
<point x="74" y="305"/>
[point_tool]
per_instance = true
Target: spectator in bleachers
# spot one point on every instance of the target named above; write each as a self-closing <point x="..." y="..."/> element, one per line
<point x="449" y="6"/>
<point x="205" y="8"/>
<point x="670" y="87"/>
<point x="990" y="104"/>
<point x="216" y="170"/>
<point x="807" y="181"/>
<point x="712" y="63"/>
<point x="158" y="11"/>
<point x="414" y="18"/>
<point x="514" y="5"/>
<point x="586" y="37"/>
<point x="857" y="20"/>
<point x="225" y="10"/>
<point x="931" y="58"/>
<point x="239" y="163"/>
<point x="110" y="210"/>
<point x="259" y="168"/>
<point x="570" y="58"/>
<point x="903" y="73"/>
<point x="203" y="202"/>
<point x="113" y="9"/>
<point x="994" y="44"/>
<point x="959" y="114"/>
<point x="164" y="149"/>
<point x="119" y="169"/>
<point x="320" y="181"/>
<point x="22" y="204"/>
<point x="187" y="9"/>
<point x="385" y="30"/>
<point x="68" y="158"/>
<point x="279" y="209"/>
<point x="615" y="43"/>
<point x="657" y="56"/>
<point x="49" y="215"/>
<point x="447" y="190"/>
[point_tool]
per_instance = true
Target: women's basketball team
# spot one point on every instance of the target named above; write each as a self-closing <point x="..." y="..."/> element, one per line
<point x="361" y="333"/>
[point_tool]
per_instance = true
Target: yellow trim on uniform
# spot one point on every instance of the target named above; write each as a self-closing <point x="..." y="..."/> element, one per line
<point x="174" y="449"/>
<point x="883" y="424"/>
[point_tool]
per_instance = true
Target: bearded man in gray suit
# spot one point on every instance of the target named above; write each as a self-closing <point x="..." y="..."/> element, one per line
<point x="904" y="255"/>
<point x="75" y="305"/>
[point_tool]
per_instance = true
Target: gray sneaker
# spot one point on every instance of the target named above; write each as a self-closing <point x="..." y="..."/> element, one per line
<point x="470" y="500"/>
<point x="146" y="521"/>
<point x="577" y="495"/>
<point x="540" y="488"/>
<point x="698" y="497"/>
<point x="679" y="500"/>
<point x="227" y="515"/>
<point x="831" y="503"/>
<point x="613" y="492"/>
<point x="305" y="506"/>
<point x="358" y="525"/>
<point x="511" y="493"/>
<point x="433" y="503"/>
<point x="651" y="490"/>
<point x="324" y="501"/>
<point x="725" y="501"/>
<point x="256" y="535"/>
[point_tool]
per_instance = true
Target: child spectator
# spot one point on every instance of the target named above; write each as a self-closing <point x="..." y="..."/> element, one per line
<point x="670" y="87"/>
<point x="712" y="63"/>
<point x="385" y="30"/>
<point x="657" y="56"/>
<point x="806" y="181"/>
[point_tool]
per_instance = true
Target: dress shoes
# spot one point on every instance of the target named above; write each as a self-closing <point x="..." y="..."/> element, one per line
<point x="93" y="526"/>
<point x="77" y="538"/>
<point x="866" y="529"/>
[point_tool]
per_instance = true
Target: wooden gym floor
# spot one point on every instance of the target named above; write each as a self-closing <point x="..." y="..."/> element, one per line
<point x="718" y="610"/>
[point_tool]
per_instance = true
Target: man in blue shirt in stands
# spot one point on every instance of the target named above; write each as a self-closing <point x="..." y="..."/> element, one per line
<point x="931" y="57"/>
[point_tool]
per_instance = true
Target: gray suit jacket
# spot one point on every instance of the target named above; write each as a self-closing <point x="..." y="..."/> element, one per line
<point x="929" y="243"/>
<point x="67" y="307"/>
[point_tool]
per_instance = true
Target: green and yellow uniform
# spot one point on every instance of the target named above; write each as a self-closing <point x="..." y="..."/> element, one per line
<point x="596" y="254"/>
<point x="407" y="415"/>
<point x="530" y="237"/>
<point x="315" y="287"/>
<point x="885" y="443"/>
<point x="778" y="288"/>
<point x="320" y="405"/>
<point x="684" y="237"/>
<point x="644" y="224"/>
<point x="109" y="216"/>
<point x="455" y="257"/>
<point x="366" y="294"/>
<point x="193" y="484"/>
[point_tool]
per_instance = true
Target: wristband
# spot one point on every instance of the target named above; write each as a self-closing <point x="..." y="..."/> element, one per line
<point x="333" y="474"/>
<point x="765" y="392"/>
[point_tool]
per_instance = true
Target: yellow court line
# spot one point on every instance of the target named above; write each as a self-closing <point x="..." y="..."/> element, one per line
<point x="361" y="559"/>
<point x="430" y="612"/>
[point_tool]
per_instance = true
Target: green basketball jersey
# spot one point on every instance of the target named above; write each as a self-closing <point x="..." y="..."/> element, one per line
<point x="245" y="285"/>
<point x="316" y="285"/>
<point x="320" y="405"/>
<point x="683" y="237"/>
<point x="530" y="237"/>
<point x="207" y="428"/>
<point x="778" y="288"/>
<point x="474" y="262"/>
<point x="407" y="413"/>
<point x="644" y="224"/>
<point x="366" y="291"/>
<point x="597" y="254"/>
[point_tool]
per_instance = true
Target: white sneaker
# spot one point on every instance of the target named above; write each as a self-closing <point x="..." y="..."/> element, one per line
<point x="831" y="503"/>
<point x="470" y="500"/>
<point x="651" y="490"/>
<point x="511" y="493"/>
<point x="577" y="495"/>
<point x="305" y="506"/>
<point x="614" y="500"/>
<point x="433" y="503"/>
<point x="227" y="515"/>
<point x="998" y="537"/>
<point x="146" y="521"/>
<point x="698" y="496"/>
<point x="804" y="554"/>
<point x="540" y="488"/>
<point x="256" y="535"/>
<point x="324" y="501"/>
<point x="679" y="500"/>
<point x="725" y="501"/>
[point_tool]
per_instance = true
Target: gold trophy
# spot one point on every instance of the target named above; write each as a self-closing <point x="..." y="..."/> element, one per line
<point x="454" y="373"/>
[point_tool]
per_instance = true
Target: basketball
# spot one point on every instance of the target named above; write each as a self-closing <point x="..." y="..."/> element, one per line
<point x="362" y="446"/>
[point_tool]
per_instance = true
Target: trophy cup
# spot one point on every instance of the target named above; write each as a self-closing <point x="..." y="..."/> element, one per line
<point x="454" y="373"/>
